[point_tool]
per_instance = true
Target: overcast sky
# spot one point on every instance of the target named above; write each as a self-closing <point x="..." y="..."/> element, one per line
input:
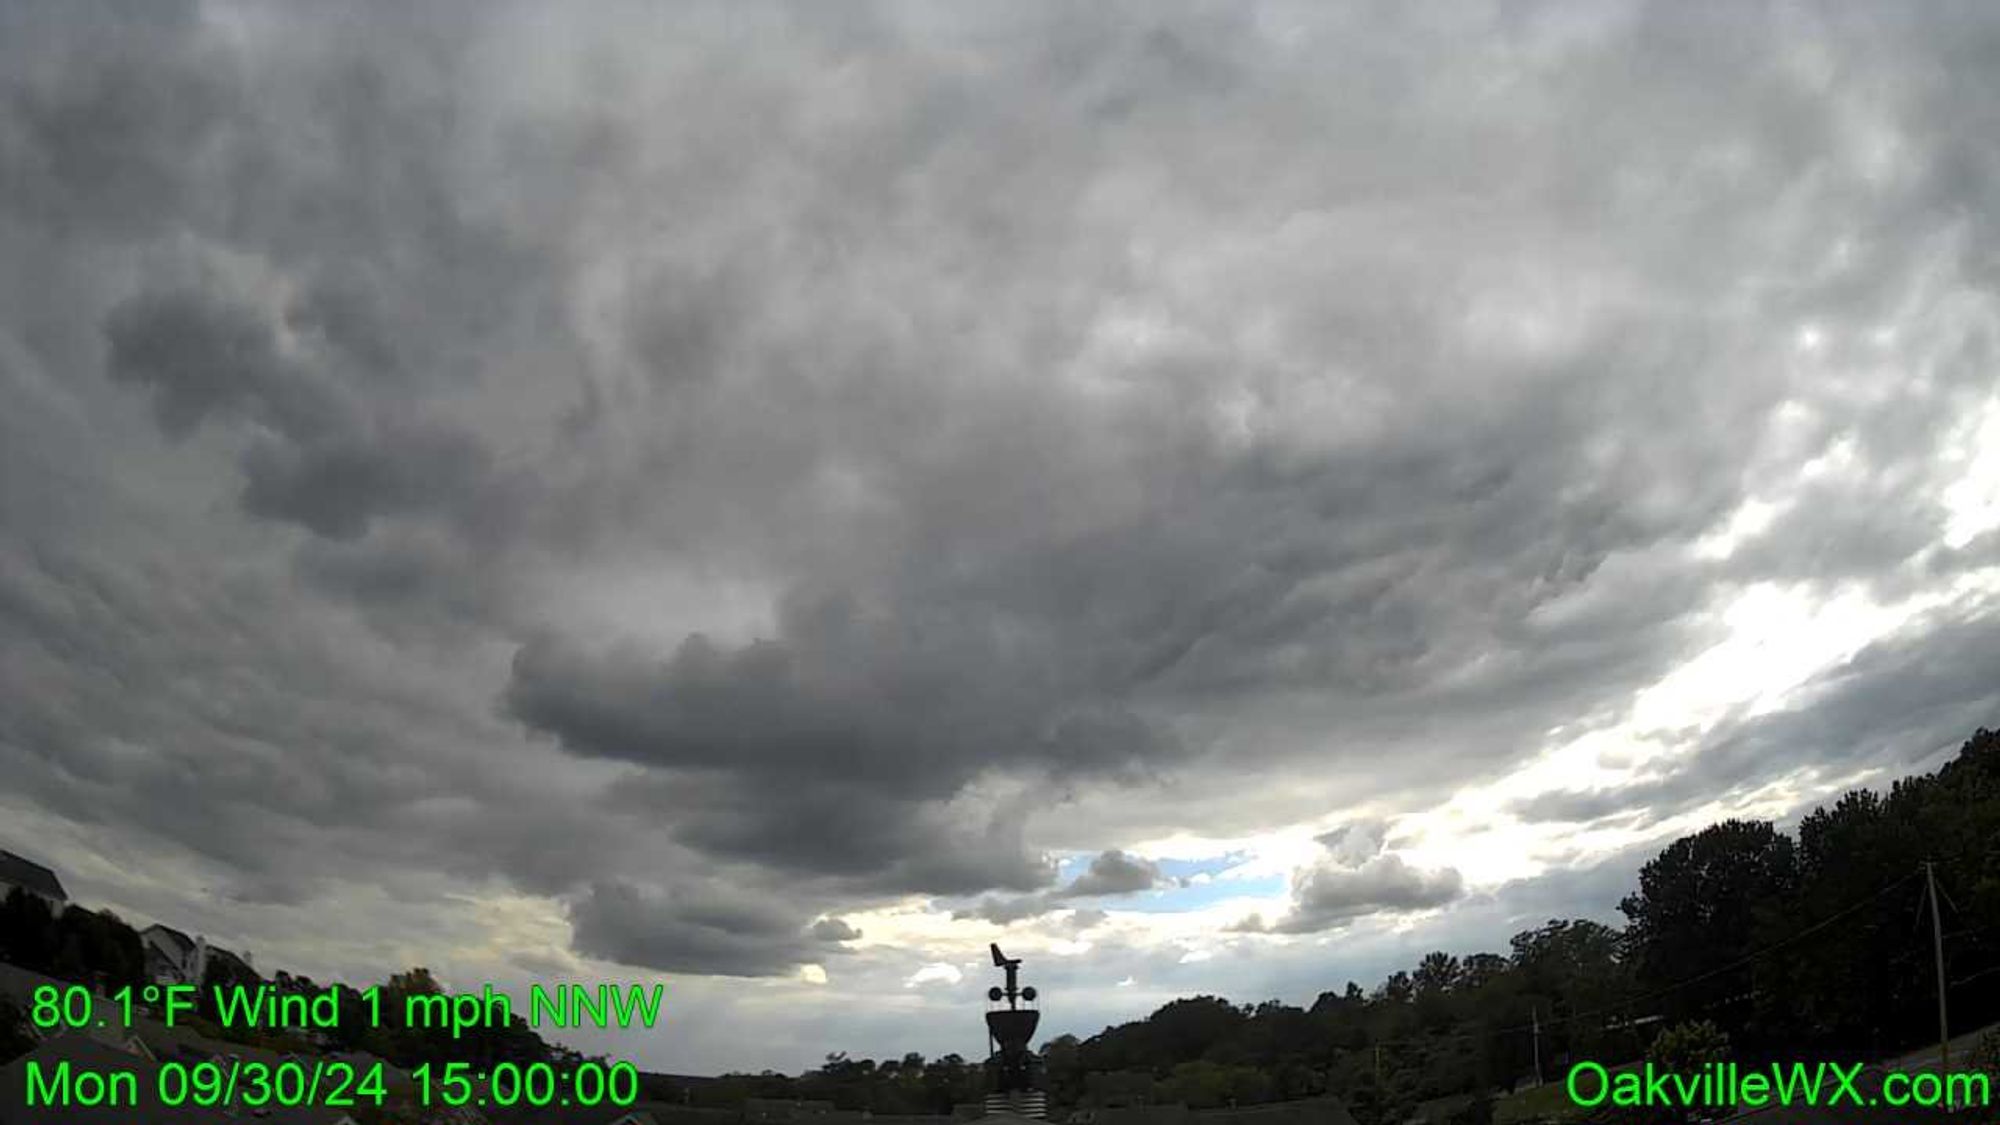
<point x="1218" y="498"/>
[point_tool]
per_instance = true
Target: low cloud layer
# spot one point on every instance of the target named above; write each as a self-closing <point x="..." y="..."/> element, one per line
<point x="1353" y="878"/>
<point x="1328" y="895"/>
<point x="1110" y="873"/>
<point x="1114" y="873"/>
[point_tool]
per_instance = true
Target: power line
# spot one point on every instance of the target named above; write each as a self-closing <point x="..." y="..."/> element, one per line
<point x="1986" y="972"/>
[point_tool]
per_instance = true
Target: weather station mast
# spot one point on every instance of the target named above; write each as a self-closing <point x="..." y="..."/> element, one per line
<point x="1012" y="1065"/>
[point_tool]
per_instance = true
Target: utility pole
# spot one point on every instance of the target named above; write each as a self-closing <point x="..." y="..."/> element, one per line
<point x="1535" y="1014"/>
<point x="1378" y="1065"/>
<point x="1937" y="948"/>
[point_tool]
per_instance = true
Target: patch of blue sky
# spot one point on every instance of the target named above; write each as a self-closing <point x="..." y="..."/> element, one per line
<point x="1070" y="866"/>
<point x="1211" y="865"/>
<point x="1173" y="899"/>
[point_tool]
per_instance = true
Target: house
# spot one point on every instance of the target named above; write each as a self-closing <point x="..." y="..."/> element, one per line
<point x="185" y="1046"/>
<point x="172" y="957"/>
<point x="33" y="878"/>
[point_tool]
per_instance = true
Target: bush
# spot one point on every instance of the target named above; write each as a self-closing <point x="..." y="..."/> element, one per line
<point x="1687" y="1047"/>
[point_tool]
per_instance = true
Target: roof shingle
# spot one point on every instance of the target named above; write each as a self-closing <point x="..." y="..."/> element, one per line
<point x="27" y="873"/>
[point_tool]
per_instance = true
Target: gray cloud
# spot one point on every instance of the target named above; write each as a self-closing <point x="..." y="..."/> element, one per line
<point x="1003" y="911"/>
<point x="875" y="844"/>
<point x="834" y="930"/>
<point x="883" y="727"/>
<point x="1330" y="894"/>
<point x="1114" y="873"/>
<point x="1353" y="844"/>
<point x="1577" y="805"/>
<point x="1110" y="873"/>
<point x="1064" y="425"/>
<point x="324" y="460"/>
<point x="1356" y="877"/>
<point x="1077" y="921"/>
<point x="202" y="357"/>
<point x="1898" y="702"/>
<point x="705" y="929"/>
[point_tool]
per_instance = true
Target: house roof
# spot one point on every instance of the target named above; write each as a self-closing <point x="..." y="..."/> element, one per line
<point x="300" y="1115"/>
<point x="27" y="873"/>
<point x="219" y="955"/>
<point x="85" y="1054"/>
<point x="20" y="984"/>
<point x="599" y="1115"/>
<point x="177" y="939"/>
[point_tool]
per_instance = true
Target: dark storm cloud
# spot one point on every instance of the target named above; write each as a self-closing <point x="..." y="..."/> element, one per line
<point x="202" y="357"/>
<point x="284" y="770"/>
<point x="103" y="151"/>
<point x="834" y="930"/>
<point x="839" y="751"/>
<point x="325" y="460"/>
<point x="849" y="701"/>
<point x="334" y="487"/>
<point x="1138" y="419"/>
<point x="699" y="929"/>
<point x="864" y="840"/>
<point x="409" y="580"/>
<point x="293" y="262"/>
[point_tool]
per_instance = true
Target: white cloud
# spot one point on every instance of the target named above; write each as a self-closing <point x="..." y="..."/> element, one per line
<point x="935" y="972"/>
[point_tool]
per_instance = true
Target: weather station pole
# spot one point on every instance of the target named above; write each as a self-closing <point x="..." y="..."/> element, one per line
<point x="1010" y="1030"/>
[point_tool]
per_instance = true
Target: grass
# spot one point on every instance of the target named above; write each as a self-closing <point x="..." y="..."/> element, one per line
<point x="1547" y="1102"/>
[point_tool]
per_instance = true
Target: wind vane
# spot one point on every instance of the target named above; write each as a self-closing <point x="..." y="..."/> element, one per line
<point x="1012" y="993"/>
